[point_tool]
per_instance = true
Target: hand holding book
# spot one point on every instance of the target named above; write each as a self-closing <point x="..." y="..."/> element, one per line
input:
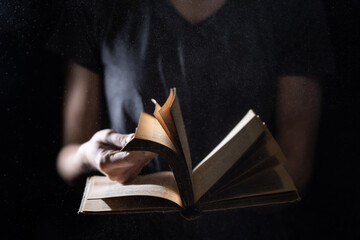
<point x="245" y="169"/>
<point x="103" y="153"/>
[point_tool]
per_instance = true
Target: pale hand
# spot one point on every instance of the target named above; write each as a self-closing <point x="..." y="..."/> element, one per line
<point x="102" y="152"/>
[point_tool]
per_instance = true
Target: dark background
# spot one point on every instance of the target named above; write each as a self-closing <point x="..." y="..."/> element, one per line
<point x="38" y="205"/>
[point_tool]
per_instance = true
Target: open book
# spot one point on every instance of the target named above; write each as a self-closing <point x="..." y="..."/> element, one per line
<point x="245" y="169"/>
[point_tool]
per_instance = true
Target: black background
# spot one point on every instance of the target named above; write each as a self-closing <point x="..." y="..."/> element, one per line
<point x="38" y="205"/>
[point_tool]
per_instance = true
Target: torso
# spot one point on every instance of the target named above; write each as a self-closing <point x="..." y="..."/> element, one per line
<point x="219" y="67"/>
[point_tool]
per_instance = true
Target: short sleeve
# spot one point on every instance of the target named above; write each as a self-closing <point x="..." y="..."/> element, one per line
<point x="75" y="37"/>
<point x="303" y="34"/>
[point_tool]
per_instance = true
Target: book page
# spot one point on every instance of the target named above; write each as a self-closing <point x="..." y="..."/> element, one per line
<point x="131" y="204"/>
<point x="250" y="115"/>
<point x="251" y="201"/>
<point x="271" y="182"/>
<point x="170" y="115"/>
<point x="150" y="129"/>
<point x="163" y="115"/>
<point x="263" y="155"/>
<point x="163" y="124"/>
<point x="180" y="128"/>
<point x="227" y="153"/>
<point x="161" y="185"/>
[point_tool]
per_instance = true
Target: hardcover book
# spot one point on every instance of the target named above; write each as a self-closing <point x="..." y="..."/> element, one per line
<point x="245" y="169"/>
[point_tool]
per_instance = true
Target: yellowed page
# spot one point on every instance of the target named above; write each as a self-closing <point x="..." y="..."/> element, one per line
<point x="166" y="115"/>
<point x="163" y="115"/>
<point x="161" y="184"/>
<point x="270" y="187"/>
<point x="245" y="120"/>
<point x="269" y="182"/>
<point x="171" y="115"/>
<point x="266" y="155"/>
<point x="180" y="128"/>
<point x="229" y="151"/>
<point x="128" y="205"/>
<point x="161" y="121"/>
<point x="150" y="129"/>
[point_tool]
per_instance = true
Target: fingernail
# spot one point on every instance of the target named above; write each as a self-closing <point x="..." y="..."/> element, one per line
<point x="121" y="155"/>
<point x="129" y="137"/>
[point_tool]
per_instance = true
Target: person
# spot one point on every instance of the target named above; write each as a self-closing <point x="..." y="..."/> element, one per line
<point x="223" y="56"/>
<point x="223" y="61"/>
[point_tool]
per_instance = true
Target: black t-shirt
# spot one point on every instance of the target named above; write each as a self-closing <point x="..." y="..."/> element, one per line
<point x="221" y="67"/>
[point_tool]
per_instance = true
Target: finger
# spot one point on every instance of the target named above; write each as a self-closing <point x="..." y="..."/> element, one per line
<point x="110" y="159"/>
<point x="140" y="158"/>
<point x="128" y="159"/>
<point x="117" y="139"/>
<point x="117" y="174"/>
<point x="121" y="175"/>
<point x="102" y="134"/>
<point x="121" y="159"/>
<point x="124" y="175"/>
<point x="112" y="138"/>
<point x="125" y="169"/>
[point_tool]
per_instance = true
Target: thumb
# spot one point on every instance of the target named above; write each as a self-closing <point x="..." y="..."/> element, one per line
<point x="119" y="140"/>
